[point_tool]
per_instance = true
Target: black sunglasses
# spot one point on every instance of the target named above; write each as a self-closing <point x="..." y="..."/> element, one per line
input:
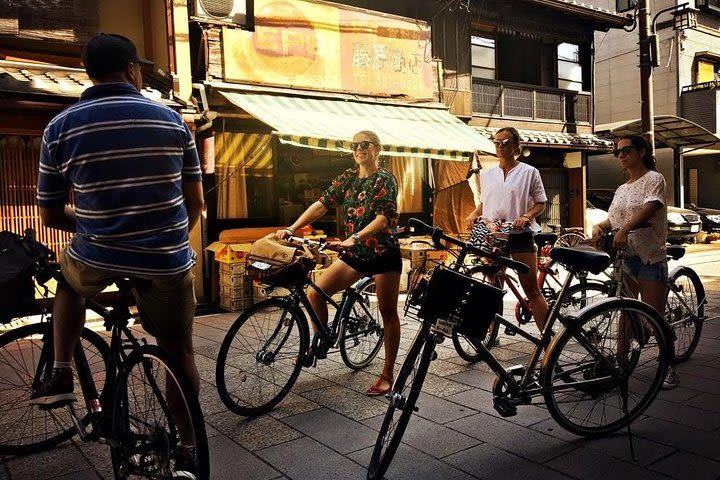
<point x="364" y="145"/>
<point x="622" y="151"/>
<point x="502" y="142"/>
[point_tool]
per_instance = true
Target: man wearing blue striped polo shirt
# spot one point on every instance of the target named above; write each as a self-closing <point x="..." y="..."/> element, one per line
<point x="135" y="174"/>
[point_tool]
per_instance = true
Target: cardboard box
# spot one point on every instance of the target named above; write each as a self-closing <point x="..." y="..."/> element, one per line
<point x="261" y="292"/>
<point x="236" y="291"/>
<point x="235" y="280"/>
<point x="235" y="304"/>
<point x="230" y="252"/>
<point x="236" y="269"/>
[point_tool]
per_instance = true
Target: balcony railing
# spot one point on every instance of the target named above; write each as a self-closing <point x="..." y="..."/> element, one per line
<point x="711" y="85"/>
<point x="502" y="99"/>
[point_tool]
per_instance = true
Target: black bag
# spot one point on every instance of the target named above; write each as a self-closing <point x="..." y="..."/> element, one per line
<point x="17" y="288"/>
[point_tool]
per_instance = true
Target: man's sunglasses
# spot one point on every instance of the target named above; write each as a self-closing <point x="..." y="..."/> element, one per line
<point x="502" y="142"/>
<point x="622" y="151"/>
<point x="364" y="145"/>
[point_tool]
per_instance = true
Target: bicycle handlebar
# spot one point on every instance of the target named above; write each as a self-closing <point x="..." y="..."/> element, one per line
<point x="315" y="243"/>
<point x="437" y="234"/>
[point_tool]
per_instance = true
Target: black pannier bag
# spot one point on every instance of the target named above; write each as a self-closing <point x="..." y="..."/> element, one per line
<point x="457" y="297"/>
<point x="17" y="288"/>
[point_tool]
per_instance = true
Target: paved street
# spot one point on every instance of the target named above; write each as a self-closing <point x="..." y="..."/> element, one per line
<point x="326" y="427"/>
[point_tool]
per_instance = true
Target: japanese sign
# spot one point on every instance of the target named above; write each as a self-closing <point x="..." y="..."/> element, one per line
<point x="323" y="46"/>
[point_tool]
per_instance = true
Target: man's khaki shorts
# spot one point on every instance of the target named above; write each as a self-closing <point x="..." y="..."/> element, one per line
<point x="166" y="303"/>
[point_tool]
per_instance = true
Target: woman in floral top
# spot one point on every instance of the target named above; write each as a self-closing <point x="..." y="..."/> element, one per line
<point x="368" y="196"/>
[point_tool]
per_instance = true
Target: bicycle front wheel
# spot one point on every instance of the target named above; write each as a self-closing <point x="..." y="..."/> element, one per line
<point x="26" y="357"/>
<point x="403" y="396"/>
<point x="685" y="310"/>
<point x="158" y="429"/>
<point x="362" y="335"/>
<point x="605" y="369"/>
<point x="258" y="360"/>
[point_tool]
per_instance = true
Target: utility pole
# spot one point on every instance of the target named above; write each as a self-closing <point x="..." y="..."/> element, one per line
<point x="647" y="59"/>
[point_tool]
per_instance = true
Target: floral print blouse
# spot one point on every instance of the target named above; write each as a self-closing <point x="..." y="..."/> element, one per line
<point x="362" y="200"/>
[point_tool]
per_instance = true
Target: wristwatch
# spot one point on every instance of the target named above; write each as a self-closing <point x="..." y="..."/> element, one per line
<point x="355" y="236"/>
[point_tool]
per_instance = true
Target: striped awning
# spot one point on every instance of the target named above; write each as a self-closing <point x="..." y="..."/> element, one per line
<point x="406" y="131"/>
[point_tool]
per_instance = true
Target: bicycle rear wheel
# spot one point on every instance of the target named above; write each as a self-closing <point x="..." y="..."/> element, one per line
<point x="26" y="356"/>
<point x="403" y="396"/>
<point x="685" y="311"/>
<point x="155" y="413"/>
<point x="258" y="360"/>
<point x="607" y="367"/>
<point x="362" y="336"/>
<point x="570" y="239"/>
<point x="580" y="296"/>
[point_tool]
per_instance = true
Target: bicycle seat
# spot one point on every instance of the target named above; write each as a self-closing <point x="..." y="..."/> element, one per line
<point x="583" y="259"/>
<point x="554" y="228"/>
<point x="541" y="239"/>
<point x="676" y="252"/>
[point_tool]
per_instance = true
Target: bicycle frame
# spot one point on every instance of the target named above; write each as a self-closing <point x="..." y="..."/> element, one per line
<point x="329" y="334"/>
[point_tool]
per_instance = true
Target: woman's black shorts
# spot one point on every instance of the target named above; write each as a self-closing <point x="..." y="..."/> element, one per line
<point x="389" y="262"/>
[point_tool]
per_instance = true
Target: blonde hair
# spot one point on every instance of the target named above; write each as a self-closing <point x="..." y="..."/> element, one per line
<point x="372" y="135"/>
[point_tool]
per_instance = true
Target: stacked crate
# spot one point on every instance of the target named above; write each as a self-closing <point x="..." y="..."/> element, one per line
<point x="236" y="288"/>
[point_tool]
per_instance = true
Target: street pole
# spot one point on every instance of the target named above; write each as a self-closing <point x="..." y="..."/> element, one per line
<point x="646" y="70"/>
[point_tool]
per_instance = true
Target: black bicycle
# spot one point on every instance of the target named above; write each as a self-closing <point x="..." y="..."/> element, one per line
<point x="267" y="346"/>
<point x="598" y="374"/>
<point x="124" y="387"/>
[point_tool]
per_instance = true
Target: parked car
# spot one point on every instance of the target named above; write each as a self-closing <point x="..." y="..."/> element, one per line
<point x="593" y="216"/>
<point x="683" y="224"/>
<point x="710" y="218"/>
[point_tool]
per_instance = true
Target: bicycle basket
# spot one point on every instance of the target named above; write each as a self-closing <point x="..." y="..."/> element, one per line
<point x="470" y="303"/>
<point x="278" y="263"/>
<point x="418" y="279"/>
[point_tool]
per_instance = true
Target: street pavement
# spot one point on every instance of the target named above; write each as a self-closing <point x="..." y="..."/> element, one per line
<point x="326" y="427"/>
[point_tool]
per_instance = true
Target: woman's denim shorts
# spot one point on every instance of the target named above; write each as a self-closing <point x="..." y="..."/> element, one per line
<point x="635" y="267"/>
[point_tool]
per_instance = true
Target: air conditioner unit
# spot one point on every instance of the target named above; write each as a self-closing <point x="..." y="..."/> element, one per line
<point x="230" y="11"/>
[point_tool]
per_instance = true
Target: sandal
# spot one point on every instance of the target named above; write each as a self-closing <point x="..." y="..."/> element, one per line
<point x="377" y="389"/>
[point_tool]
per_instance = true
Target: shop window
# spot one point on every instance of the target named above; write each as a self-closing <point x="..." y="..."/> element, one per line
<point x="483" y="57"/>
<point x="570" y="74"/>
<point x="244" y="173"/>
<point x="625" y="5"/>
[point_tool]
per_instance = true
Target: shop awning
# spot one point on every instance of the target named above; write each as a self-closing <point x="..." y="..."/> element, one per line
<point x="563" y="140"/>
<point x="670" y="131"/>
<point x="406" y="131"/>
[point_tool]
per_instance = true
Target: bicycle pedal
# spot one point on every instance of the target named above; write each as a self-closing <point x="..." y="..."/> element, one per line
<point x="510" y="333"/>
<point x="503" y="406"/>
<point x="307" y="360"/>
<point x="53" y="406"/>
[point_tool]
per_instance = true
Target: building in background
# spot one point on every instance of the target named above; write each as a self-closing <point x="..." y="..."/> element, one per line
<point x="685" y="98"/>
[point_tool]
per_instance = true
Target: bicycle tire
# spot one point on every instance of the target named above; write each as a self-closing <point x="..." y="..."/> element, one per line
<point x="687" y="326"/>
<point x="363" y="334"/>
<point x="594" y="395"/>
<point x="465" y="346"/>
<point x="579" y="296"/>
<point x="21" y="352"/>
<point x="403" y="396"/>
<point x="250" y="379"/>
<point x="146" y="439"/>
<point x="570" y="239"/>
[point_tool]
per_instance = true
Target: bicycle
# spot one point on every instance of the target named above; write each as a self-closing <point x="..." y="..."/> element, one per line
<point x="123" y="386"/>
<point x="266" y="347"/>
<point x="684" y="304"/>
<point x="568" y="236"/>
<point x="599" y="372"/>
<point x="548" y="273"/>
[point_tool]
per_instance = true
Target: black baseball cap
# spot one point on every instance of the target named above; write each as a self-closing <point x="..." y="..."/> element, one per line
<point x="107" y="53"/>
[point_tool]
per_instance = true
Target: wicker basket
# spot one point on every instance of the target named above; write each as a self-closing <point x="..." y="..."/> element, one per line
<point x="281" y="274"/>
